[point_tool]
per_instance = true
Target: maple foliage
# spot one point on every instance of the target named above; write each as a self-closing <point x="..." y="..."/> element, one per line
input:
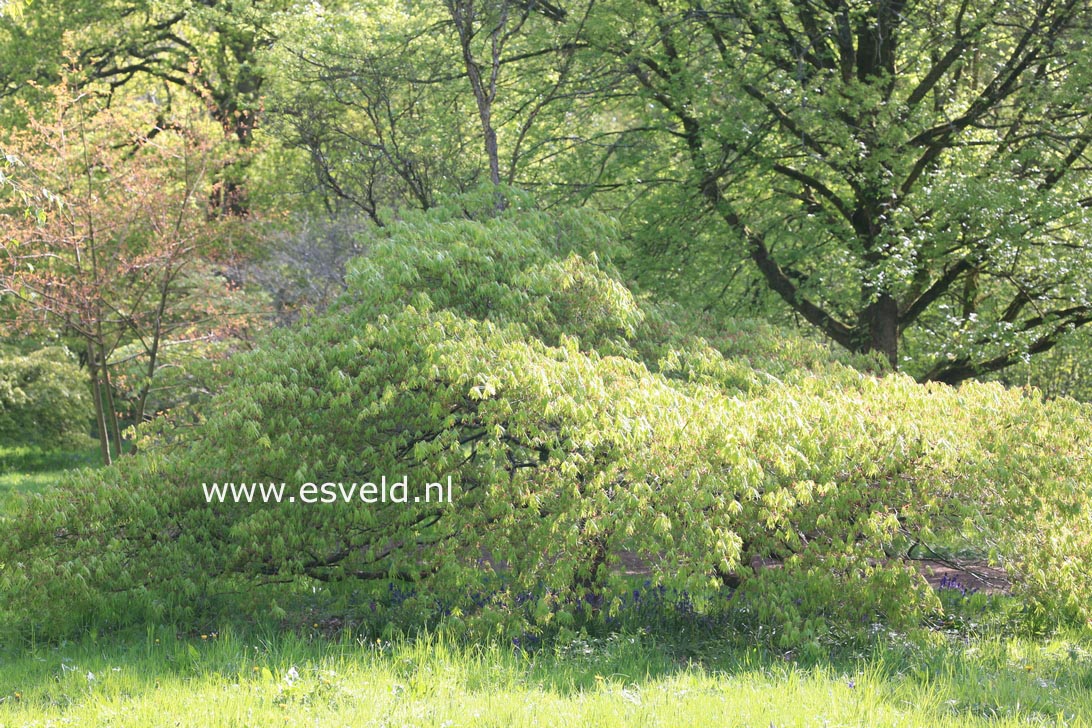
<point x="105" y="238"/>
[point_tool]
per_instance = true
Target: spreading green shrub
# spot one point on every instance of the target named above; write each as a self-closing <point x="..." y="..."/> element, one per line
<point x="44" y="399"/>
<point x="580" y="425"/>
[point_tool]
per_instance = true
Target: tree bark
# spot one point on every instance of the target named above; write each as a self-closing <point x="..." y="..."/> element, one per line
<point x="485" y="90"/>
<point x="100" y="411"/>
<point x="880" y="328"/>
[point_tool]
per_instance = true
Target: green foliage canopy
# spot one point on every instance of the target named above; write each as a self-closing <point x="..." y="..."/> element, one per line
<point x="578" y="424"/>
<point x="907" y="177"/>
<point x="44" y="398"/>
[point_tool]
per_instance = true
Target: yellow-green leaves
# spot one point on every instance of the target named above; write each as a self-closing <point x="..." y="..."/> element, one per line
<point x="567" y="448"/>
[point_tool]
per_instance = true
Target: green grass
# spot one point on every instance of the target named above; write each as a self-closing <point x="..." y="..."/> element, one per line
<point x="30" y="469"/>
<point x="159" y="679"/>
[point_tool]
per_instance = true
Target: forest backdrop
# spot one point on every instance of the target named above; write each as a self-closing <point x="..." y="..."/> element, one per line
<point x="903" y="178"/>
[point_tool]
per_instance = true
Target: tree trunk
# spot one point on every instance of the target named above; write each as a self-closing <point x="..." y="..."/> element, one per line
<point x="110" y="412"/>
<point x="484" y="89"/>
<point x="100" y="413"/>
<point x="879" y="327"/>
<point x="153" y="351"/>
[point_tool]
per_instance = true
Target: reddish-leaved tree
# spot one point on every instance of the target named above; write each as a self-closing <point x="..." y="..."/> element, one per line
<point x="106" y="238"/>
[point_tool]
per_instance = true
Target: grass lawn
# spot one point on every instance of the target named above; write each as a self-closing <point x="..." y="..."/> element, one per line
<point x="160" y="679"/>
<point x="29" y="469"/>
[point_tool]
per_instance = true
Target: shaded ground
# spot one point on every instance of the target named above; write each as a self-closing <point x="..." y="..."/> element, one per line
<point x="975" y="575"/>
<point x="969" y="575"/>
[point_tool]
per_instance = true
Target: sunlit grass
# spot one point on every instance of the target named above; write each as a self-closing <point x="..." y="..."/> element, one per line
<point x="31" y="469"/>
<point x="228" y="680"/>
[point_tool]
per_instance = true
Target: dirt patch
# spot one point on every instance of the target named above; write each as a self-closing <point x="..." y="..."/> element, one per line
<point x="970" y="576"/>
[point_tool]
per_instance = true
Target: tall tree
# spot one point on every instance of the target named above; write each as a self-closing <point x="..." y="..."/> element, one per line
<point x="494" y="24"/>
<point x="105" y="240"/>
<point x="396" y="103"/>
<point x="208" y="49"/>
<point x="899" y="172"/>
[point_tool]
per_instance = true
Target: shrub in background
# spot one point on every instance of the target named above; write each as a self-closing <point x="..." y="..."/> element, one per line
<point x="44" y="399"/>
